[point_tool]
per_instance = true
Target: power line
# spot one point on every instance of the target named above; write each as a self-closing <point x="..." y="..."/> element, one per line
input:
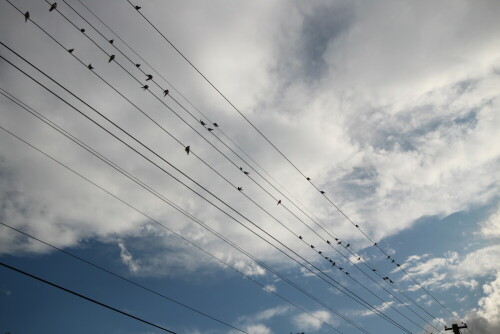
<point x="86" y="298"/>
<point x="281" y="153"/>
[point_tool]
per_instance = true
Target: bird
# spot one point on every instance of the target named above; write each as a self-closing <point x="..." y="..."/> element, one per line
<point x="279" y="202"/>
<point x="111" y="41"/>
<point x="388" y="257"/>
<point x="338" y="243"/>
<point x="203" y="123"/>
<point x="336" y="239"/>
<point x="187" y="149"/>
<point x="149" y="77"/>
<point x="308" y="178"/>
<point x="312" y="246"/>
<point x="245" y="172"/>
<point x="375" y="244"/>
<point x="111" y="58"/>
<point x="145" y="87"/>
<point x="137" y="7"/>
<point x="391" y="281"/>
<point x="90" y="67"/>
<point x="241" y="168"/>
<point x="341" y="268"/>
<point x="26" y="16"/>
<point x="53" y="6"/>
<point x="320" y="252"/>
<point x="210" y="129"/>
<point x="165" y="92"/>
<point x="347" y="245"/>
<point x="240" y="188"/>
<point x="374" y="270"/>
<point x="71" y="50"/>
<point x="356" y="225"/>
<point x="137" y="65"/>
<point x="359" y="258"/>
<point x="300" y="237"/>
<point x="393" y="261"/>
<point x="385" y="278"/>
<point x="397" y="264"/>
<point x="322" y="192"/>
<point x="347" y="273"/>
<point x="327" y="258"/>
<point x="82" y="30"/>
<point x="333" y="264"/>
<point x="216" y="125"/>
<point x="328" y="241"/>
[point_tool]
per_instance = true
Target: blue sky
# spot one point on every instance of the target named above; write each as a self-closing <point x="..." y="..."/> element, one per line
<point x="391" y="108"/>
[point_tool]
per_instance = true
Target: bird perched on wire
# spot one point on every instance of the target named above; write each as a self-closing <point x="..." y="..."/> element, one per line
<point x="71" y="50"/>
<point x="137" y="65"/>
<point x="53" y="6"/>
<point x="202" y="123"/>
<point x="322" y="192"/>
<point x="347" y="245"/>
<point x="137" y="7"/>
<point x="187" y="149"/>
<point x="90" y="67"/>
<point x="145" y="87"/>
<point x="374" y="270"/>
<point x="308" y="178"/>
<point x="216" y="125"/>
<point x="245" y="172"/>
<point x="210" y="129"/>
<point x="149" y="77"/>
<point x="300" y="237"/>
<point x="26" y="16"/>
<point x="338" y="243"/>
<point x="279" y="202"/>
<point x="328" y="241"/>
<point x="111" y="58"/>
<point x="82" y="30"/>
<point x="312" y="246"/>
<point x="240" y="188"/>
<point x="165" y="92"/>
<point x="111" y="41"/>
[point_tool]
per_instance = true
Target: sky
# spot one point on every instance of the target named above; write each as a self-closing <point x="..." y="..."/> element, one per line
<point x="389" y="107"/>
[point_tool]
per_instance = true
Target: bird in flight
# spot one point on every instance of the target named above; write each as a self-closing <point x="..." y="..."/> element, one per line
<point x="26" y="16"/>
<point x="149" y="77"/>
<point x="111" y="58"/>
<point x="145" y="87"/>
<point x="187" y="149"/>
<point x="165" y="92"/>
<point x="53" y="6"/>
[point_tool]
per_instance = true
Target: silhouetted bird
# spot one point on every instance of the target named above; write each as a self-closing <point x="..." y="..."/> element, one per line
<point x="137" y="7"/>
<point x="385" y="278"/>
<point x="53" y="6"/>
<point x="240" y="188"/>
<point x="300" y="237"/>
<point x="397" y="264"/>
<point x="82" y="30"/>
<point x="210" y="129"/>
<point x="111" y="58"/>
<point x="111" y="41"/>
<point x="322" y="192"/>
<point x="137" y="65"/>
<point x="90" y="67"/>
<point x="312" y="246"/>
<point x="308" y="178"/>
<point x="327" y="258"/>
<point x="374" y="270"/>
<point x="388" y="257"/>
<point x="149" y="77"/>
<point x="71" y="50"/>
<point x="347" y="273"/>
<point x="26" y="16"/>
<point x="341" y="268"/>
<point x="347" y="245"/>
<point x="320" y="252"/>
<point x="187" y="149"/>
<point x="375" y="244"/>
<point x="241" y="168"/>
<point x="356" y="225"/>
<point x="279" y="202"/>
<point x="359" y="258"/>
<point x="203" y="123"/>
<point x="145" y="87"/>
<point x="336" y="239"/>
<point x="328" y="241"/>
<point x="333" y="264"/>
<point x="245" y="172"/>
<point x="338" y="243"/>
<point x="391" y="281"/>
<point x="393" y="261"/>
<point x="216" y="125"/>
<point x="165" y="92"/>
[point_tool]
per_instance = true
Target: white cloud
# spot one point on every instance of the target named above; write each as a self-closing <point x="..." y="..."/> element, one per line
<point x="491" y="228"/>
<point x="127" y="259"/>
<point x="271" y="287"/>
<point x="304" y="322"/>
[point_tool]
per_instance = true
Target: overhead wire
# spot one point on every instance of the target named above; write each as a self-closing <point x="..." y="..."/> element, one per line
<point x="287" y="159"/>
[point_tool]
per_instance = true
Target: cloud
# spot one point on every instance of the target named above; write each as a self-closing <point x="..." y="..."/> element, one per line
<point x="490" y="229"/>
<point x="127" y="259"/>
<point x="304" y="322"/>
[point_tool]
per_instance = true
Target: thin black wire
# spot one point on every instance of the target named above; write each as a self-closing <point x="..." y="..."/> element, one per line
<point x="283" y="155"/>
<point x="353" y="296"/>
<point x="349" y="291"/>
<point x="86" y="298"/>
<point x="164" y="199"/>
<point x="260" y="186"/>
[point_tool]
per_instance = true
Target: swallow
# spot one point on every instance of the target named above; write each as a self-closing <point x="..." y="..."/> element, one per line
<point x="374" y="270"/>
<point x="82" y="30"/>
<point x="187" y="149"/>
<point x="393" y="261"/>
<point x="328" y="241"/>
<point x="203" y="123"/>
<point x="397" y="264"/>
<point x="336" y="239"/>
<point x="111" y="41"/>
<point x="241" y="168"/>
<point x="149" y="77"/>
<point x="312" y="246"/>
<point x="341" y="268"/>
<point x="388" y="257"/>
<point x="210" y="129"/>
<point x="240" y="188"/>
<point x="137" y="7"/>
<point x="246" y="173"/>
<point x="111" y="58"/>
<point x="357" y="225"/>
<point x="216" y="125"/>
<point x="71" y="50"/>
<point x="338" y="243"/>
<point x="165" y="92"/>
<point x="279" y="202"/>
<point x="90" y="67"/>
<point x="327" y="258"/>
<point x="333" y="264"/>
<point x="308" y="178"/>
<point x="322" y="192"/>
<point x="137" y="65"/>
<point x="53" y="6"/>
<point x="26" y="16"/>
<point x="320" y="252"/>
<point x="300" y="237"/>
<point x="347" y="273"/>
<point x="145" y="87"/>
<point x="359" y="258"/>
<point x="390" y="281"/>
<point x="385" y="278"/>
<point x="347" y="245"/>
<point x="375" y="244"/>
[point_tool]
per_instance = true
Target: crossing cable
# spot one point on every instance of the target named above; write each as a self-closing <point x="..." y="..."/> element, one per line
<point x="260" y="206"/>
<point x="330" y="279"/>
<point x="121" y="52"/>
<point x="283" y="155"/>
<point x="217" y="148"/>
<point x="371" y="292"/>
<point x="114" y="309"/>
<point x="170" y="203"/>
<point x="356" y="281"/>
